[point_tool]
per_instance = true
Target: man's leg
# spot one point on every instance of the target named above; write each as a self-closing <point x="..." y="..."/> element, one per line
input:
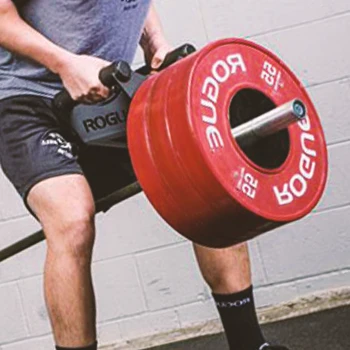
<point x="65" y="208"/>
<point x="227" y="272"/>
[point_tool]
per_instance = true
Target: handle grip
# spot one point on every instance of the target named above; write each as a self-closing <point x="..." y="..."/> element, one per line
<point x="170" y="58"/>
<point x="120" y="71"/>
<point x="108" y="76"/>
<point x="63" y="102"/>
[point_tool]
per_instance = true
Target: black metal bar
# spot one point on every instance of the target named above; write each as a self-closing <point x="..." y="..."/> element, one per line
<point x="101" y="205"/>
<point x="21" y="245"/>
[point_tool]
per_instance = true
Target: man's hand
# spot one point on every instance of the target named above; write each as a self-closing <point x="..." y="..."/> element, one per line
<point x="153" y="42"/>
<point x="80" y="76"/>
<point x="155" y="53"/>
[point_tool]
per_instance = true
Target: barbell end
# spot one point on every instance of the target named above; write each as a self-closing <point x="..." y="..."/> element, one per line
<point x="299" y="109"/>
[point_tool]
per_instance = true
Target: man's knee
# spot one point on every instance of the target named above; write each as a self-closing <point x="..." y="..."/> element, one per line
<point x="76" y="233"/>
<point x="66" y="210"/>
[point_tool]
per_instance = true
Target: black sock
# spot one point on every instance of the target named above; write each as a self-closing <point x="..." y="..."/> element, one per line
<point x="238" y="316"/>
<point x="90" y="347"/>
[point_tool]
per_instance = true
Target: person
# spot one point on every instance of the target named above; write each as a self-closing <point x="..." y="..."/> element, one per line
<point x="47" y="45"/>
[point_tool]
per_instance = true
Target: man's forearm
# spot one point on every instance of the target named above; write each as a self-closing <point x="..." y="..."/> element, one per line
<point x="153" y="42"/>
<point x="152" y="34"/>
<point x="18" y="37"/>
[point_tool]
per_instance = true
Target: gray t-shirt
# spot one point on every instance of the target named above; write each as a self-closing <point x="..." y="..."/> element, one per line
<point x="109" y="29"/>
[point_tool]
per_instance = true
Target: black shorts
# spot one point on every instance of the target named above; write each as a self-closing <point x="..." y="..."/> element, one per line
<point x="35" y="146"/>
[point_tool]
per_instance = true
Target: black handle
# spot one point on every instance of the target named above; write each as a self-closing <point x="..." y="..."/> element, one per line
<point x="63" y="102"/>
<point x="102" y="204"/>
<point x="119" y="71"/>
<point x="177" y="54"/>
<point x="170" y="58"/>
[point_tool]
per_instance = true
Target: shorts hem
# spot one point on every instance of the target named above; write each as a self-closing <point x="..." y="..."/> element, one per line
<point x="48" y="175"/>
<point x="25" y="95"/>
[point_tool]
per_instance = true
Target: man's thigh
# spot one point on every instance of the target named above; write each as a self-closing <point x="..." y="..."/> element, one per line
<point x="34" y="147"/>
<point x="62" y="201"/>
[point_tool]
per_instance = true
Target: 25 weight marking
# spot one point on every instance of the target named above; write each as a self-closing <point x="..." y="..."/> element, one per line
<point x="248" y="184"/>
<point x="271" y="75"/>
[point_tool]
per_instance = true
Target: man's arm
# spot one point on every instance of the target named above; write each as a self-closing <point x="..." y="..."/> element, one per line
<point x="78" y="73"/>
<point x="153" y="41"/>
<point x="18" y="37"/>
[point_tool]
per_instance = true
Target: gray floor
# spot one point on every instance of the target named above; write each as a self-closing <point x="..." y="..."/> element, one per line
<point x="327" y="330"/>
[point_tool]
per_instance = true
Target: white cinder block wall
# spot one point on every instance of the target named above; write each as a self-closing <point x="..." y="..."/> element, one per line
<point x="146" y="278"/>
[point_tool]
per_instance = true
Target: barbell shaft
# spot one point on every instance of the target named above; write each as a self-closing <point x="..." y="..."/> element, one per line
<point x="247" y="133"/>
<point x="269" y="123"/>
